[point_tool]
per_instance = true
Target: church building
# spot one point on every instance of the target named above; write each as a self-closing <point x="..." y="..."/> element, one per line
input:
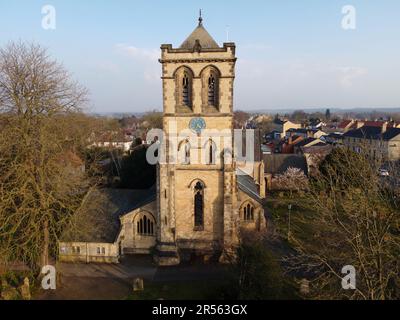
<point x="203" y="199"/>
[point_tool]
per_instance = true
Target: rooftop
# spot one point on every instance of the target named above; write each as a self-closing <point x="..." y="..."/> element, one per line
<point x="375" y="133"/>
<point x="305" y="142"/>
<point x="100" y="219"/>
<point x="247" y="184"/>
<point x="199" y="37"/>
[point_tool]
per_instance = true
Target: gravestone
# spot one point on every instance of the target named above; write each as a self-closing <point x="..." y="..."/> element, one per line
<point x="304" y="287"/>
<point x="25" y="290"/>
<point x="138" y="285"/>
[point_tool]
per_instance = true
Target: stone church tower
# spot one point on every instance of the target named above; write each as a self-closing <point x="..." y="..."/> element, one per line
<point x="198" y="214"/>
<point x="204" y="199"/>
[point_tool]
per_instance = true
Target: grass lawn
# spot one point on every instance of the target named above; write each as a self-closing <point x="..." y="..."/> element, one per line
<point x="278" y="208"/>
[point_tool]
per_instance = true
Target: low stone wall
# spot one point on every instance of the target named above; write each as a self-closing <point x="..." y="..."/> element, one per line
<point x="88" y="252"/>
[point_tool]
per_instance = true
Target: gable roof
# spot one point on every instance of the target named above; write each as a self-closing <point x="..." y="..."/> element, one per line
<point x="305" y="142"/>
<point x="364" y="132"/>
<point x="373" y="123"/>
<point x="200" y="35"/>
<point x="374" y="133"/>
<point x="101" y="222"/>
<point x="391" y="133"/>
<point x="344" y="124"/>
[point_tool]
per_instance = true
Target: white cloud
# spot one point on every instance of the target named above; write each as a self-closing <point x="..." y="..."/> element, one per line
<point x="349" y="74"/>
<point x="138" y="53"/>
<point x="147" y="60"/>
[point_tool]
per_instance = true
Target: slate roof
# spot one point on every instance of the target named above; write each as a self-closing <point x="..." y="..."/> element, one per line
<point x="201" y="35"/>
<point x="391" y="133"/>
<point x="278" y="121"/>
<point x="335" y="135"/>
<point x="374" y="133"/>
<point x="247" y="184"/>
<point x="101" y="222"/>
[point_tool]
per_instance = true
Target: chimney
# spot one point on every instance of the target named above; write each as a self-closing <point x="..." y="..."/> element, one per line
<point x="384" y="127"/>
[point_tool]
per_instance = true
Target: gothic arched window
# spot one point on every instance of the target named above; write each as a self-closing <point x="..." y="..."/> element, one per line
<point x="184" y="152"/>
<point x="210" y="152"/>
<point x="145" y="226"/>
<point x="248" y="212"/>
<point x="183" y="89"/>
<point x="186" y="90"/>
<point x="199" y="205"/>
<point x="212" y="91"/>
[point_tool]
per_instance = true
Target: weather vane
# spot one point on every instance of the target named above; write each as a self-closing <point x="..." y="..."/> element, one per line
<point x="200" y="18"/>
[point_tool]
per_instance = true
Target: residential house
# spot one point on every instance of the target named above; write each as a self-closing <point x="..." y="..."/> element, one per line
<point x="305" y="133"/>
<point x="380" y="143"/>
<point x="335" y="138"/>
<point x="346" y="125"/>
<point x="282" y="126"/>
<point x="287" y="145"/>
<point x="308" y="142"/>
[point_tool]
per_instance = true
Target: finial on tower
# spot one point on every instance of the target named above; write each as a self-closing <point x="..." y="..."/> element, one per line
<point x="200" y="19"/>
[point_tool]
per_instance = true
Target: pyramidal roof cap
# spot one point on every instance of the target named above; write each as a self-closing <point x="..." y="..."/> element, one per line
<point x="199" y="36"/>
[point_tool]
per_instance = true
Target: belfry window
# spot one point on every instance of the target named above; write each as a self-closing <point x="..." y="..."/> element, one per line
<point x="145" y="226"/>
<point x="199" y="205"/>
<point x="248" y="213"/>
<point x="186" y="90"/>
<point x="212" y="91"/>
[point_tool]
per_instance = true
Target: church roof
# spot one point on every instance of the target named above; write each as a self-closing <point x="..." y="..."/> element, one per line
<point x="247" y="184"/>
<point x="101" y="222"/>
<point x="199" y="36"/>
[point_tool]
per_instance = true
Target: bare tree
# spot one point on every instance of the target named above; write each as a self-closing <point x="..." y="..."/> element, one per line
<point x="40" y="185"/>
<point x="152" y="120"/>
<point x="240" y="118"/>
<point x="351" y="218"/>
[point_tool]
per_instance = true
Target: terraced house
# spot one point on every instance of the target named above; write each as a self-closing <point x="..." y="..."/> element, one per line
<point x="379" y="142"/>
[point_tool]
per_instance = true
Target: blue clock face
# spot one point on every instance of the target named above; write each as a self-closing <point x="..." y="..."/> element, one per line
<point x="197" y="125"/>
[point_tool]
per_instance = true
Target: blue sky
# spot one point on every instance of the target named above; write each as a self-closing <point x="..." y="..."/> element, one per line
<point x="291" y="54"/>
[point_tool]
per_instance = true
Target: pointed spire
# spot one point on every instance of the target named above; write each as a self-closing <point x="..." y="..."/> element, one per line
<point x="200" y="19"/>
<point x="199" y="38"/>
